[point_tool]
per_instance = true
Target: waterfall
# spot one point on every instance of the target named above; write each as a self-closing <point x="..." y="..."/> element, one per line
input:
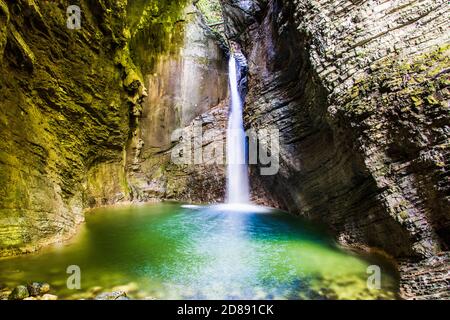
<point x="237" y="173"/>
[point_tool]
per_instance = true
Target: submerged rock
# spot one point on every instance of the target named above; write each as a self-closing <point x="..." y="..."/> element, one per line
<point x="115" y="295"/>
<point x="149" y="298"/>
<point x="19" y="293"/>
<point x="45" y="287"/>
<point x="4" y="295"/>
<point x="37" y="288"/>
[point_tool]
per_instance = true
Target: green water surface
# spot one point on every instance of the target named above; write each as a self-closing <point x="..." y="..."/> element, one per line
<point x="167" y="251"/>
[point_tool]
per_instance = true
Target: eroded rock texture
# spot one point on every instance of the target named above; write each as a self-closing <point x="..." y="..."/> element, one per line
<point x="62" y="110"/>
<point x="187" y="87"/>
<point x="78" y="126"/>
<point x="359" y="91"/>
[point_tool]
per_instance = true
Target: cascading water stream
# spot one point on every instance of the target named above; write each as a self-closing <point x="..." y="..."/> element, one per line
<point x="237" y="173"/>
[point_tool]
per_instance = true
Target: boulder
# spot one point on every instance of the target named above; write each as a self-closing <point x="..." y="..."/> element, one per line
<point x="38" y="288"/>
<point x="4" y="295"/>
<point x="45" y="287"/>
<point x="19" y="293"/>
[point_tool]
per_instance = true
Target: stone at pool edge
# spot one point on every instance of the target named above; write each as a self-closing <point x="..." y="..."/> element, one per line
<point x="38" y="288"/>
<point x="19" y="293"/>
<point x="115" y="295"/>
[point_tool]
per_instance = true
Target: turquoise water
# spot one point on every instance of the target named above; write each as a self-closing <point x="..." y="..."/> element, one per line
<point x="165" y="251"/>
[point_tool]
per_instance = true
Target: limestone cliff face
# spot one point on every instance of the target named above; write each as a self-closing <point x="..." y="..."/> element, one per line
<point x="62" y="110"/>
<point x="78" y="126"/>
<point x="185" y="86"/>
<point x="359" y="91"/>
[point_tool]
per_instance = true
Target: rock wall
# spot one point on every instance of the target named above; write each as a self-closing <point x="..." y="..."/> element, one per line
<point x="359" y="92"/>
<point x="358" y="89"/>
<point x="185" y="86"/>
<point x="62" y="111"/>
<point x="78" y="126"/>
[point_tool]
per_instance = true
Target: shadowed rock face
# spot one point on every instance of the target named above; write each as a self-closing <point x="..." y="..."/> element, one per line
<point x="185" y="85"/>
<point x="63" y="109"/>
<point x="78" y="125"/>
<point x="359" y="92"/>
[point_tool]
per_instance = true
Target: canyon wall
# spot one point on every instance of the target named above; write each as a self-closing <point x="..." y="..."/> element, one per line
<point x="183" y="77"/>
<point x="62" y="110"/>
<point x="86" y="114"/>
<point x="359" y="92"/>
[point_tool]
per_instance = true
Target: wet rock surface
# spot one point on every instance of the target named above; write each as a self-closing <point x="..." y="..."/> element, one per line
<point x="79" y="127"/>
<point x="19" y="293"/>
<point x="116" y="295"/>
<point x="43" y="291"/>
<point x="32" y="291"/>
<point x="428" y="279"/>
<point x="359" y="92"/>
<point x="64" y="111"/>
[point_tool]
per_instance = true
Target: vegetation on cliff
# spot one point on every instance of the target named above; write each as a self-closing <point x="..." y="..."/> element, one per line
<point x="70" y="100"/>
<point x="212" y="10"/>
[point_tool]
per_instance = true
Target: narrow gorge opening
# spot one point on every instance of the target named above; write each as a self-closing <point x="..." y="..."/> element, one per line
<point x="224" y="149"/>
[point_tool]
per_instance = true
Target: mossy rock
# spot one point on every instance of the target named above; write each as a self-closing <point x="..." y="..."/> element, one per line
<point x="19" y="293"/>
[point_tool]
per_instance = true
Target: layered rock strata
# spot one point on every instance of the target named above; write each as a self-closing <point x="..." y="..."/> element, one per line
<point x="359" y="92"/>
<point x="88" y="109"/>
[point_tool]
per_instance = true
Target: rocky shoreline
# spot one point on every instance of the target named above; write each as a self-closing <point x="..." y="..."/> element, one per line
<point x="43" y="291"/>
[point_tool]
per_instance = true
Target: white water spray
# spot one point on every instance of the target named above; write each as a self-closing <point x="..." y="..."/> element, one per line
<point x="237" y="173"/>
